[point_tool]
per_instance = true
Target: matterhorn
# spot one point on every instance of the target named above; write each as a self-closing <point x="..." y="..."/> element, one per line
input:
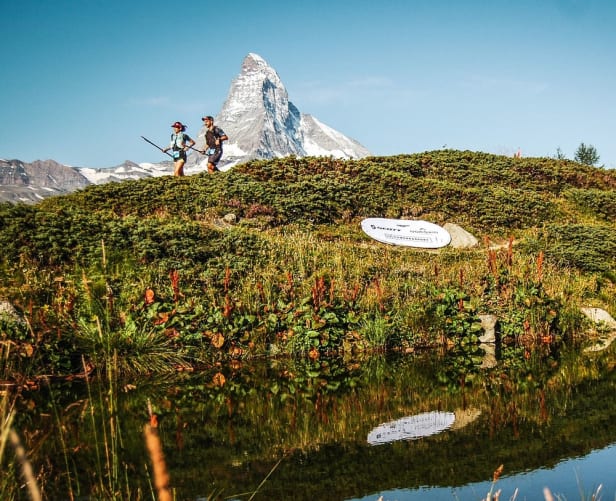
<point x="262" y="123"/>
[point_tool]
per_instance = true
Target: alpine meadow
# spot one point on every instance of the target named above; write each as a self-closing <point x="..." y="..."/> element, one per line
<point x="155" y="278"/>
<point x="269" y="259"/>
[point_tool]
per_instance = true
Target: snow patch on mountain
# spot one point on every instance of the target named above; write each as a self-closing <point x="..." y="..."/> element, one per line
<point x="322" y="140"/>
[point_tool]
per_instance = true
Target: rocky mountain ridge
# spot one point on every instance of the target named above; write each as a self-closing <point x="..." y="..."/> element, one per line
<point x="257" y="115"/>
<point x="31" y="182"/>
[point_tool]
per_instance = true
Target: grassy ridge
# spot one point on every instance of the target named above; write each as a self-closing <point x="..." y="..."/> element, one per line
<point x="153" y="261"/>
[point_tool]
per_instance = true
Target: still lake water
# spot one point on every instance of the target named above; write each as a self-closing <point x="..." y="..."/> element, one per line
<point x="571" y="479"/>
<point x="404" y="428"/>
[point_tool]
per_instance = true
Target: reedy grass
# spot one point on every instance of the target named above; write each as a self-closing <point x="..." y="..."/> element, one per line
<point x="112" y="482"/>
<point x="109" y="476"/>
<point x="130" y="349"/>
<point x="6" y="420"/>
<point x="376" y="331"/>
<point x="402" y="274"/>
<point x="26" y="466"/>
<point x="547" y="493"/>
<point x="159" y="468"/>
<point x="6" y="364"/>
<point x="109" y="335"/>
<point x="8" y="434"/>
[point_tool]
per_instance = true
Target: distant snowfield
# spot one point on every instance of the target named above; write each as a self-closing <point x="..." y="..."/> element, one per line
<point x="145" y="169"/>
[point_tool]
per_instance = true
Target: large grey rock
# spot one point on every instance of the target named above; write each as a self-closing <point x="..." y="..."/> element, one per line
<point x="598" y="316"/>
<point x="601" y="318"/>
<point x="488" y="324"/>
<point x="460" y="238"/>
<point x="230" y="218"/>
<point x="8" y="311"/>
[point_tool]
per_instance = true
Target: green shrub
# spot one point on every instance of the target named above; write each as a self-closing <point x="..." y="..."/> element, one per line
<point x="589" y="248"/>
<point x="599" y="203"/>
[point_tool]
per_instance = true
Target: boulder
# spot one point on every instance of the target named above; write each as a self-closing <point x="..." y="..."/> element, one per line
<point x="230" y="218"/>
<point x="460" y="238"/>
<point x="598" y="316"/>
<point x="8" y="311"/>
<point x="601" y="318"/>
<point x="488" y="324"/>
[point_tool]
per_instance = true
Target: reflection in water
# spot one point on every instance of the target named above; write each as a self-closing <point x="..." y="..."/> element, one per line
<point x="302" y="426"/>
<point x="464" y="417"/>
<point x="411" y="427"/>
<point x="588" y="477"/>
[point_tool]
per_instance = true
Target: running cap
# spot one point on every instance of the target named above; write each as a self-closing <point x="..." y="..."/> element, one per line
<point x="208" y="117"/>
<point x="178" y="125"/>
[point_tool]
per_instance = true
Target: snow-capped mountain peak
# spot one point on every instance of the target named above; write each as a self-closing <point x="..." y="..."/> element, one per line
<point x="262" y="122"/>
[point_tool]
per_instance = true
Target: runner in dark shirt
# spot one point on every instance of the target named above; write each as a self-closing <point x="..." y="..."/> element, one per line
<point x="214" y="136"/>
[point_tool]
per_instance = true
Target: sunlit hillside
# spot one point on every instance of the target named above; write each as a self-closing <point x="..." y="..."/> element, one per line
<point x="270" y="257"/>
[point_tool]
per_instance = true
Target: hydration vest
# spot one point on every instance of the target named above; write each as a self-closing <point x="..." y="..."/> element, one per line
<point x="178" y="145"/>
<point x="211" y="135"/>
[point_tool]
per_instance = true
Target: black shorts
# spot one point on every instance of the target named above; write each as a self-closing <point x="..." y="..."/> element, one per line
<point x="179" y="155"/>
<point x="214" y="158"/>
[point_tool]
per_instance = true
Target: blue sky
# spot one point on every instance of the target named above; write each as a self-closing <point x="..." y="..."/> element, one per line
<point x="84" y="79"/>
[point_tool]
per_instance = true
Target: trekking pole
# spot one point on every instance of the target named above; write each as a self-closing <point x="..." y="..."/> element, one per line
<point x="157" y="147"/>
<point x="199" y="151"/>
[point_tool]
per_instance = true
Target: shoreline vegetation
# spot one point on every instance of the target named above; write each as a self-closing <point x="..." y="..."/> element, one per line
<point x="170" y="275"/>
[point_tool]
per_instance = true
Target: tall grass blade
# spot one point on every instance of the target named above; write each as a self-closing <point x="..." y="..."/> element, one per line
<point x="26" y="466"/>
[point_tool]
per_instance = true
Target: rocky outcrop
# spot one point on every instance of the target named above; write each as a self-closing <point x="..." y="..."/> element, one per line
<point x="488" y="340"/>
<point x="32" y="182"/>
